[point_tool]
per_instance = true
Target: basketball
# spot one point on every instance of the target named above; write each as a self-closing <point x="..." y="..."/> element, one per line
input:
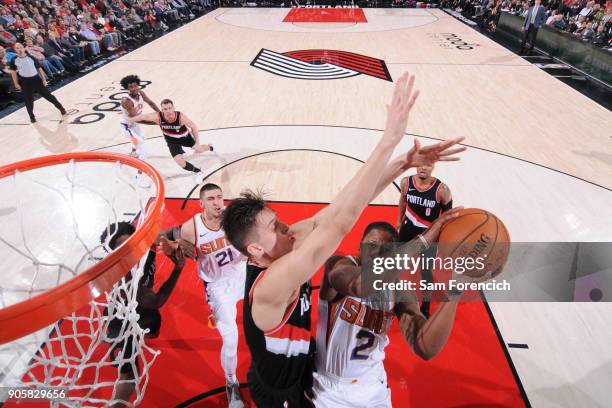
<point x="475" y="234"/>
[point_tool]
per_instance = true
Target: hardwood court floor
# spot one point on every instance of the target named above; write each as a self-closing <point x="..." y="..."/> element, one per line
<point x="541" y="156"/>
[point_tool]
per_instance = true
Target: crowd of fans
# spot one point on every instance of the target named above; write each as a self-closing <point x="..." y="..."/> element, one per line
<point x="589" y="20"/>
<point x="69" y="37"/>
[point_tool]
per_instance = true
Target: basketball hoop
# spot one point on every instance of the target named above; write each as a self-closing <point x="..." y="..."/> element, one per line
<point x="53" y="211"/>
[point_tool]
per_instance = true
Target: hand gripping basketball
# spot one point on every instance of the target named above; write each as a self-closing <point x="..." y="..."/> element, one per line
<point x="433" y="232"/>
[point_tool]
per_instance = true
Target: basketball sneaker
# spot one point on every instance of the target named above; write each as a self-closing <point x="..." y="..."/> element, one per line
<point x="234" y="399"/>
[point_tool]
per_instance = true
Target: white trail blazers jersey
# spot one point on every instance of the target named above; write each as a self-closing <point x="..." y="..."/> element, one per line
<point x="217" y="259"/>
<point x="352" y="335"/>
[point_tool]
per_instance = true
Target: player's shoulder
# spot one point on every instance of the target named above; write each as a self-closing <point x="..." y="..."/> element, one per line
<point x="339" y="260"/>
<point x="188" y="228"/>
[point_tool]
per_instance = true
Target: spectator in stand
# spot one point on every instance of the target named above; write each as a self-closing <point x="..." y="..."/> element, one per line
<point x="492" y="18"/>
<point x="51" y="66"/>
<point x="91" y="37"/>
<point x="579" y="26"/>
<point x="168" y="16"/>
<point x="182" y="8"/>
<point x="6" y="38"/>
<point x="130" y="32"/>
<point x="6" y="18"/>
<point x="77" y="48"/>
<point x="54" y="49"/>
<point x="524" y="10"/>
<point x="598" y="13"/>
<point x="559" y="22"/>
<point x="53" y="27"/>
<point x="551" y="20"/>
<point x="601" y="38"/>
<point x="588" y="32"/>
<point x="5" y="75"/>
<point x="588" y="10"/>
<point x="112" y="31"/>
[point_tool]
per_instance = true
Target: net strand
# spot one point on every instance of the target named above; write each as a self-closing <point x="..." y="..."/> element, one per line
<point x="80" y="352"/>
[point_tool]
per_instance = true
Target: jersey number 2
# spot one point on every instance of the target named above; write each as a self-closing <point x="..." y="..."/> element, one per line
<point x="363" y="347"/>
<point x="222" y="257"/>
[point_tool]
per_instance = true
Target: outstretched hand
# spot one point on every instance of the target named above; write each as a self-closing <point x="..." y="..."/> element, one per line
<point x="172" y="250"/>
<point x="429" y="155"/>
<point x="401" y="104"/>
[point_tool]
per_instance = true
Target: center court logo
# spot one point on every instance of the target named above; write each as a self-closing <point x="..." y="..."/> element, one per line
<point x="450" y="40"/>
<point x="320" y="64"/>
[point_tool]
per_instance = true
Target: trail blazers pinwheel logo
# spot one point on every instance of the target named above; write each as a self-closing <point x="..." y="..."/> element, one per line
<point x="320" y="64"/>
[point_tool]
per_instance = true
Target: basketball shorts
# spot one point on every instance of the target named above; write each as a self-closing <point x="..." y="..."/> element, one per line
<point x="222" y="297"/>
<point x="265" y="396"/>
<point x="136" y="136"/>
<point x="176" y="144"/>
<point x="408" y="231"/>
<point x="367" y="392"/>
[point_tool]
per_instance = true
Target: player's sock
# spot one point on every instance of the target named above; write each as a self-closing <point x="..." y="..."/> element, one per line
<point x="191" y="167"/>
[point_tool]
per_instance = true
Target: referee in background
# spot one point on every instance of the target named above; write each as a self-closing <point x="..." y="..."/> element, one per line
<point x="29" y="78"/>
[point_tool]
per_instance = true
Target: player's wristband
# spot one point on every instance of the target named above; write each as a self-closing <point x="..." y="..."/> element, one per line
<point x="453" y="294"/>
<point x="423" y="241"/>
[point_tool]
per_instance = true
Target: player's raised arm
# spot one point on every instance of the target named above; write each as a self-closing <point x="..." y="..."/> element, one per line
<point x="285" y="275"/>
<point x="397" y="116"/>
<point x="146" y="297"/>
<point x="149" y="101"/>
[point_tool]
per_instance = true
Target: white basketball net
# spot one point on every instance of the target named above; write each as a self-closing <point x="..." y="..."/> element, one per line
<point x="51" y="222"/>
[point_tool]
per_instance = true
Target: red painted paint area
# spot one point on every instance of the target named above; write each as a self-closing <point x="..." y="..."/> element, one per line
<point x="325" y="15"/>
<point x="471" y="370"/>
